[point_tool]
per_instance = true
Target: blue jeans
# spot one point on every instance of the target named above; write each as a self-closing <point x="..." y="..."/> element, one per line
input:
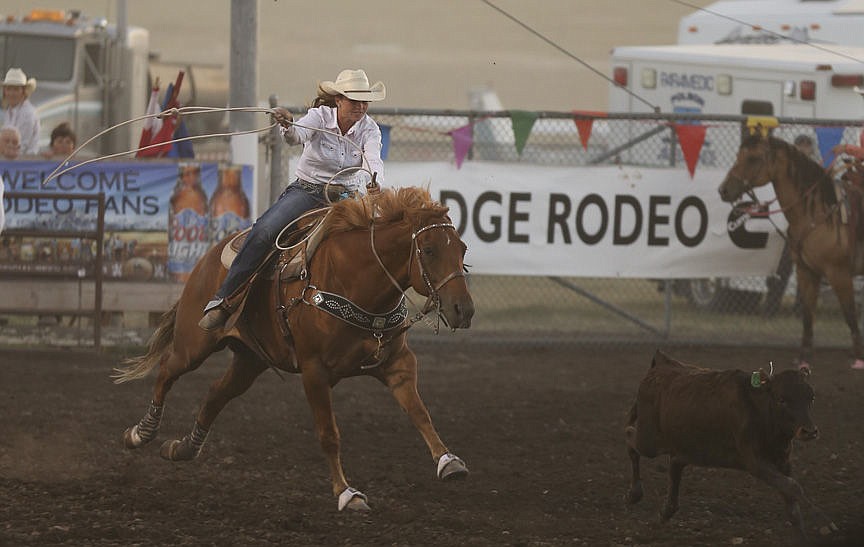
<point x="294" y="201"/>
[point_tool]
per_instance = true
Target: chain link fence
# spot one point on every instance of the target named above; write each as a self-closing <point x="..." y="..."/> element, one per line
<point x="611" y="311"/>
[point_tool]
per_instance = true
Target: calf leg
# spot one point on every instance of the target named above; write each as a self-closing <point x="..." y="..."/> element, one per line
<point x="788" y="487"/>
<point x="676" y="469"/>
<point x="635" y="493"/>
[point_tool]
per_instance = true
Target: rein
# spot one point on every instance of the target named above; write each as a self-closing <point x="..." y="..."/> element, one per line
<point x="754" y="211"/>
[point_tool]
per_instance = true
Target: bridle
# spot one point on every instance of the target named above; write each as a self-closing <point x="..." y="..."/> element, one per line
<point x="433" y="301"/>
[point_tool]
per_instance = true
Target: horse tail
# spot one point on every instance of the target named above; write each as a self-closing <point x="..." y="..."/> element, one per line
<point x="136" y="368"/>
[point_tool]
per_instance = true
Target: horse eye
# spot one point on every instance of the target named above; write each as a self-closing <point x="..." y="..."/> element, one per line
<point x="428" y="250"/>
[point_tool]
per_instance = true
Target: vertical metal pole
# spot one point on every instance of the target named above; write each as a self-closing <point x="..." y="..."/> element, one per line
<point x="97" y="305"/>
<point x="243" y="90"/>
<point x="244" y="62"/>
<point x="275" y="142"/>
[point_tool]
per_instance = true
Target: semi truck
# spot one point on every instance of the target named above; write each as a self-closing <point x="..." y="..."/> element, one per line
<point x="94" y="75"/>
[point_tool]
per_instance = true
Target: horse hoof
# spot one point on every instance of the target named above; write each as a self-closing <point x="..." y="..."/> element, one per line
<point x="451" y="467"/>
<point x="353" y="500"/>
<point x="804" y="367"/>
<point x="667" y="511"/>
<point x="131" y="438"/>
<point x="177" y="451"/>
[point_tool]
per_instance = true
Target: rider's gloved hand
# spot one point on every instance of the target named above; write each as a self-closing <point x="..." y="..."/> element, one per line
<point x="282" y="116"/>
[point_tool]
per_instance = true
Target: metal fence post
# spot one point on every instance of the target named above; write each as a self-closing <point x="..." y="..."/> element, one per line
<point x="274" y="144"/>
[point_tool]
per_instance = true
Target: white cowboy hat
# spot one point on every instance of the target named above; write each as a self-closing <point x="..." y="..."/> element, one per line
<point x="355" y="85"/>
<point x="16" y="76"/>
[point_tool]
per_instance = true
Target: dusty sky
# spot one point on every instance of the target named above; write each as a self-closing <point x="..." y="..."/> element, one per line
<point x="430" y="54"/>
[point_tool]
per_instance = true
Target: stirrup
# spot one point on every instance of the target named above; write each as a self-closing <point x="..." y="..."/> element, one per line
<point x="214" y="318"/>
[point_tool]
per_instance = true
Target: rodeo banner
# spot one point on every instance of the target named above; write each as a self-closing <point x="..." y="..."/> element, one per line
<point x="160" y="217"/>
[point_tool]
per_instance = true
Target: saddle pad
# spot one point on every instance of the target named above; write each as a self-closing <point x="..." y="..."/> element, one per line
<point x="295" y="262"/>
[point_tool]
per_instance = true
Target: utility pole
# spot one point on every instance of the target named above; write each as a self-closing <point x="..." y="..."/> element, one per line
<point x="243" y="78"/>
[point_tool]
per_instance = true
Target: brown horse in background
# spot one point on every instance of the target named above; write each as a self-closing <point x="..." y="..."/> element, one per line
<point x="821" y="243"/>
<point x="372" y="250"/>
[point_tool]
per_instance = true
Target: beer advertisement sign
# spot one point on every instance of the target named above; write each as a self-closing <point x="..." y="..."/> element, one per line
<point x="160" y="217"/>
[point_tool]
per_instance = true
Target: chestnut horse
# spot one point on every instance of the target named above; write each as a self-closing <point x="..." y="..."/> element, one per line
<point x="821" y="238"/>
<point x="372" y="250"/>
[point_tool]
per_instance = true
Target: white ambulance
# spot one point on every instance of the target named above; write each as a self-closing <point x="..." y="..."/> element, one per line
<point x="782" y="80"/>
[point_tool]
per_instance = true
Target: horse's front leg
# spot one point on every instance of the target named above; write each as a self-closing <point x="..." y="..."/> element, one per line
<point x="808" y="292"/>
<point x="244" y="369"/>
<point x="841" y="282"/>
<point x="400" y="376"/>
<point x="316" y="384"/>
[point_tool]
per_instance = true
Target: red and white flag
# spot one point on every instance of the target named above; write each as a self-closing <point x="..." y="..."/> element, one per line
<point x="151" y="125"/>
<point x="164" y="132"/>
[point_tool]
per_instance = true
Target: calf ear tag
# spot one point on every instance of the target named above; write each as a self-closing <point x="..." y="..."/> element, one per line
<point x="756" y="379"/>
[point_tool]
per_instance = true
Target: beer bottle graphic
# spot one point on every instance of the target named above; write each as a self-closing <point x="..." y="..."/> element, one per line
<point x="229" y="206"/>
<point x="188" y="221"/>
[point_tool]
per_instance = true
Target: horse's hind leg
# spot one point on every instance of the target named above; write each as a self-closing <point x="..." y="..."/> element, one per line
<point x="841" y="282"/>
<point x="171" y="367"/>
<point x="244" y="369"/>
<point x="401" y="378"/>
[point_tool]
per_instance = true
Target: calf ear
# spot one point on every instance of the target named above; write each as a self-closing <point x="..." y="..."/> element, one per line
<point x="758" y="378"/>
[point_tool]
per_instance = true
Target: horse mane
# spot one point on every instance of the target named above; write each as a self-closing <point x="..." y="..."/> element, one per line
<point x="411" y="204"/>
<point x="804" y="170"/>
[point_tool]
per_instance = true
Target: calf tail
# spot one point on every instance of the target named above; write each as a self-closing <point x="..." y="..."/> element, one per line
<point x="136" y="368"/>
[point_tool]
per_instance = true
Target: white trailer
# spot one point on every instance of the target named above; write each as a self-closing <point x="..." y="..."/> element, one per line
<point x="775" y="21"/>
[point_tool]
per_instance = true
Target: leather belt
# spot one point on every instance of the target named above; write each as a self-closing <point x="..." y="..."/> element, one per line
<point x="335" y="192"/>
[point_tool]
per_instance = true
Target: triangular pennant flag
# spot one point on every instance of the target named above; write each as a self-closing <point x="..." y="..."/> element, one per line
<point x="463" y="139"/>
<point x="385" y="140"/>
<point x="690" y="138"/>
<point x="827" y="138"/>
<point x="584" y="120"/>
<point x="522" y="122"/>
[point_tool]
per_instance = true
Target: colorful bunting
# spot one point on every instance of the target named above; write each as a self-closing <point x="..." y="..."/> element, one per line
<point x="690" y="138"/>
<point x="522" y="122"/>
<point x="827" y="138"/>
<point x="463" y="139"/>
<point x="385" y="140"/>
<point x="584" y="120"/>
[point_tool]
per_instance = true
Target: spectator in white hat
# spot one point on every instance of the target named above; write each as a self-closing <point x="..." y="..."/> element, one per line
<point x="19" y="111"/>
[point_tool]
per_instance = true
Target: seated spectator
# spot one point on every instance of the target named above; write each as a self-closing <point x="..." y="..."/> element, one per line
<point x="10" y="142"/>
<point x="63" y="142"/>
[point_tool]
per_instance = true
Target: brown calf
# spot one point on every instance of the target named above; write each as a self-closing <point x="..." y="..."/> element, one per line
<point x="712" y="418"/>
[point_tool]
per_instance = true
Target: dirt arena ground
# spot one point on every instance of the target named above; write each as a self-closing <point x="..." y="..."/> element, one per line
<point x="540" y="429"/>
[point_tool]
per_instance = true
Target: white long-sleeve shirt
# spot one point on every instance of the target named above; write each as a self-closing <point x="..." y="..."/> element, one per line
<point x="24" y="117"/>
<point x="326" y="154"/>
